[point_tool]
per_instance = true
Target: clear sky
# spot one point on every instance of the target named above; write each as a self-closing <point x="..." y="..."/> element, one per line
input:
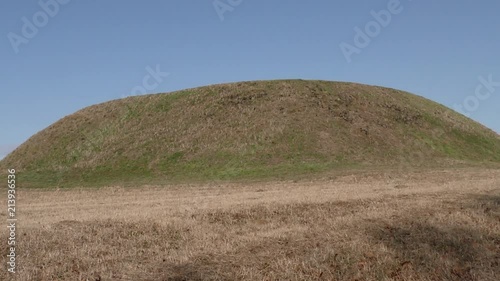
<point x="59" y="57"/>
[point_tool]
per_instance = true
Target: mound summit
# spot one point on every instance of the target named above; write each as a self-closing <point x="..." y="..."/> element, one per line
<point x="249" y="130"/>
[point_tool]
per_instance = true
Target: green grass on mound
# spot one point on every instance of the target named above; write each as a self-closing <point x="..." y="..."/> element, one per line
<point x="249" y="130"/>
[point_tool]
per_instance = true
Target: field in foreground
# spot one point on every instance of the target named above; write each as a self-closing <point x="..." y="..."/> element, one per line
<point x="439" y="225"/>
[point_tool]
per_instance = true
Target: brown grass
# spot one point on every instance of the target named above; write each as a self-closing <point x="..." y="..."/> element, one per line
<point x="442" y="225"/>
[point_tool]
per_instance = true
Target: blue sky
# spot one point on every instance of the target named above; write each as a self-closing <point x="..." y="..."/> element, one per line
<point x="80" y="53"/>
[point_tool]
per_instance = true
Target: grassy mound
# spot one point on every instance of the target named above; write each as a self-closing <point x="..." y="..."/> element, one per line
<point x="249" y="130"/>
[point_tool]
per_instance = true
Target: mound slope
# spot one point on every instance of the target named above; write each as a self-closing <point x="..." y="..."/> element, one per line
<point x="249" y="130"/>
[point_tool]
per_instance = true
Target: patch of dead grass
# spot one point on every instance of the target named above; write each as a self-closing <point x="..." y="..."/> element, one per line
<point x="442" y="226"/>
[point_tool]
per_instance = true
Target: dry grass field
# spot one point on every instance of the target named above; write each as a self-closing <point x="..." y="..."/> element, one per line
<point x="426" y="225"/>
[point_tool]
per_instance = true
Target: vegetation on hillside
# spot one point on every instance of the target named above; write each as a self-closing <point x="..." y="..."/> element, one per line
<point x="249" y="130"/>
